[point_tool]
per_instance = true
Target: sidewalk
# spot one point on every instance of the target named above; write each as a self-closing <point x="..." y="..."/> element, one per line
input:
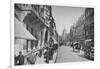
<point x="41" y="60"/>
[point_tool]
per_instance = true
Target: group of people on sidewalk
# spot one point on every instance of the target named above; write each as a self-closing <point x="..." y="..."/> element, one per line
<point x="48" y="52"/>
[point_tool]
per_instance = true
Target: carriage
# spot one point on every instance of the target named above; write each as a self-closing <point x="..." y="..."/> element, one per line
<point x="76" y="46"/>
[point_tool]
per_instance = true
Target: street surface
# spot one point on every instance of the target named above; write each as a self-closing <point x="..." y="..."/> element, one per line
<point x="66" y="54"/>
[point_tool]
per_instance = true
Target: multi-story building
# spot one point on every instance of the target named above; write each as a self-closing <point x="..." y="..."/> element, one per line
<point x="84" y="27"/>
<point x="89" y="23"/>
<point x="64" y="35"/>
<point x="21" y="34"/>
<point x="38" y="20"/>
<point x="79" y="32"/>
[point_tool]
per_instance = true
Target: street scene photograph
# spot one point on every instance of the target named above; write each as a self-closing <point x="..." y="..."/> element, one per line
<point x="46" y="34"/>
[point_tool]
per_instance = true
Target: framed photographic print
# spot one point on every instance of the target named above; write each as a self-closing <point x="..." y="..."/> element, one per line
<point x="50" y="34"/>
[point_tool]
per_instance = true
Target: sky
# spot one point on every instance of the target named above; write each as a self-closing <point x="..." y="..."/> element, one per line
<point x="65" y="17"/>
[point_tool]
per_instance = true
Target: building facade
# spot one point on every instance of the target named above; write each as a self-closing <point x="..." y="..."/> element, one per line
<point x="89" y="23"/>
<point x="84" y="27"/>
<point x="38" y="20"/>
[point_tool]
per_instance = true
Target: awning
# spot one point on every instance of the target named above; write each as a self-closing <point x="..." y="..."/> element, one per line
<point x="21" y="32"/>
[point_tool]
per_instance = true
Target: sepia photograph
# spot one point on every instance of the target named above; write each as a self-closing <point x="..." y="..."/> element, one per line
<point x="46" y="34"/>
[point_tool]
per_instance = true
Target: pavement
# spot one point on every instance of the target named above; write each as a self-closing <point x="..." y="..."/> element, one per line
<point x="66" y="54"/>
<point x="63" y="54"/>
<point x="41" y="60"/>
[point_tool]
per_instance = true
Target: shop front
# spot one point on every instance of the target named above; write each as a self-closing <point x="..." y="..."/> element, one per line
<point x="21" y="35"/>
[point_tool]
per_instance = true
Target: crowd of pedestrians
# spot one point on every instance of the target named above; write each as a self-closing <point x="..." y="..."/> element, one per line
<point x="48" y="52"/>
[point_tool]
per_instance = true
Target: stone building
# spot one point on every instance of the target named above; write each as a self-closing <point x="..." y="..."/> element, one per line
<point x="84" y="27"/>
<point x="79" y="32"/>
<point x="38" y="20"/>
<point x="89" y="23"/>
<point x="64" y="35"/>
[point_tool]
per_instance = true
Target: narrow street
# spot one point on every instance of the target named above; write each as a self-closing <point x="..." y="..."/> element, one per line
<point x="66" y="54"/>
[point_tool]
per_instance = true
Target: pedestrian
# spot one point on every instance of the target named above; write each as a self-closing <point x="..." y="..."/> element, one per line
<point x="32" y="58"/>
<point x="40" y="53"/>
<point x="20" y="59"/>
<point x="51" y="51"/>
<point x="46" y="55"/>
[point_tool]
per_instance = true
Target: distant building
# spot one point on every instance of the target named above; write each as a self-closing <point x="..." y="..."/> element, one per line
<point x="79" y="32"/>
<point x="84" y="28"/>
<point x="64" y="35"/>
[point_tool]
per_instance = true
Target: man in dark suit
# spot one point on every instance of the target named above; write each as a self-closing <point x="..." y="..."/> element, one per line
<point x="20" y="59"/>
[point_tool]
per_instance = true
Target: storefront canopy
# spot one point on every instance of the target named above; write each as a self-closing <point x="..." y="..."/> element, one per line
<point x="21" y="32"/>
